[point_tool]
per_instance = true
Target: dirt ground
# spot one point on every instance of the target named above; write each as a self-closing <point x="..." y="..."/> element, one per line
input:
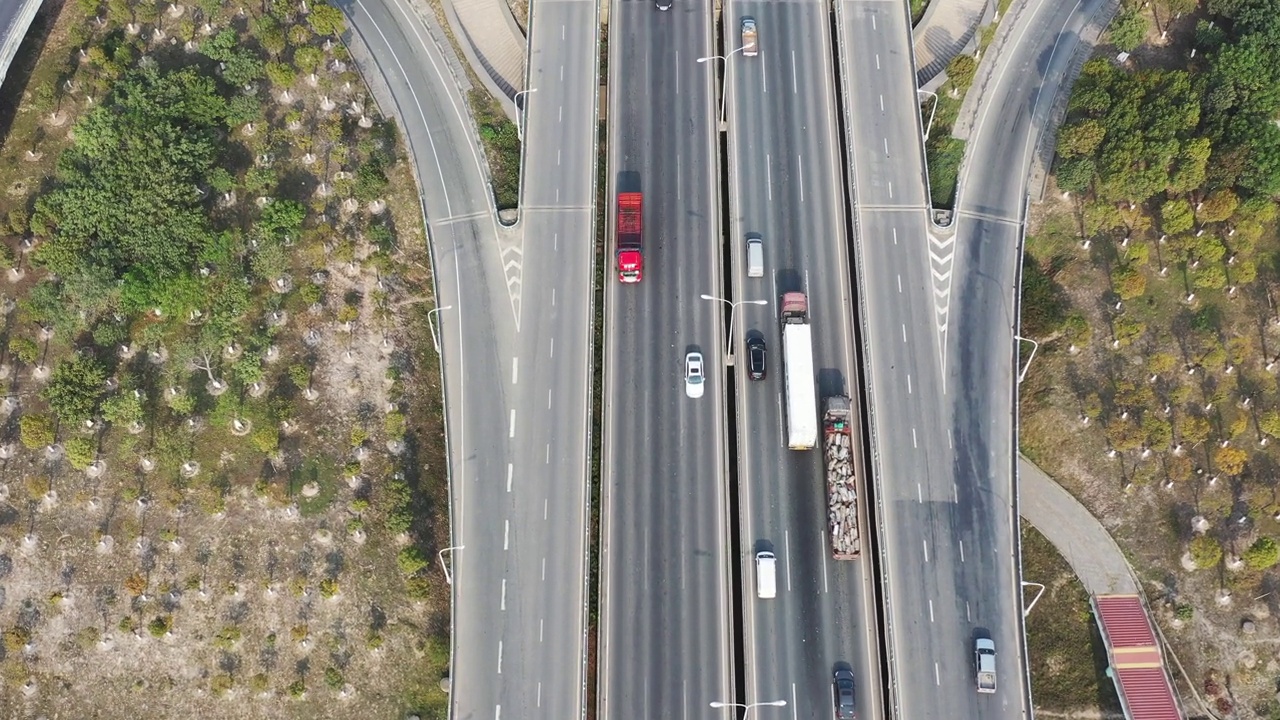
<point x="248" y="588"/>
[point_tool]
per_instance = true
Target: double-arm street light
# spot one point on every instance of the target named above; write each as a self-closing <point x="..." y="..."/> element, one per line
<point x="520" y="113"/>
<point x="724" y="86"/>
<point x="747" y="706"/>
<point x="728" y="351"/>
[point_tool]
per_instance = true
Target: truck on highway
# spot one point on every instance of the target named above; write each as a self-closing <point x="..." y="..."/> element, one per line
<point x="984" y="661"/>
<point x="797" y="360"/>
<point x="629" y="238"/>
<point x="842" y="488"/>
<point x="749" y="46"/>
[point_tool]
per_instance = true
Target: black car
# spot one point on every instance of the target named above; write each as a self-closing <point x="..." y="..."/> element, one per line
<point x="755" y="358"/>
<point x="842" y="691"/>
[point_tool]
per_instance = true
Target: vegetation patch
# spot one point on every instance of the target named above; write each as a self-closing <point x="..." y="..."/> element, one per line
<point x="1068" y="657"/>
<point x="221" y="396"/>
<point x="501" y="148"/>
<point x="1150" y="288"/>
<point x="943" y="153"/>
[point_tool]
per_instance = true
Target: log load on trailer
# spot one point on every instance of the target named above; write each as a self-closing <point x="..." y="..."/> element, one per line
<point x="842" y="487"/>
<point x="630" y="239"/>
<point x="797" y="360"/>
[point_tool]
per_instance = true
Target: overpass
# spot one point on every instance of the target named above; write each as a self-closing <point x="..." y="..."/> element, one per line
<point x="15" y="20"/>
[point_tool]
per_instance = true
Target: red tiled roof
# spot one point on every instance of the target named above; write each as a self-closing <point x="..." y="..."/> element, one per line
<point x="1136" y="663"/>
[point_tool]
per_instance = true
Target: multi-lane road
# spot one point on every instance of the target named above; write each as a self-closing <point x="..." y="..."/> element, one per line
<point x="665" y="620"/>
<point x="786" y="183"/>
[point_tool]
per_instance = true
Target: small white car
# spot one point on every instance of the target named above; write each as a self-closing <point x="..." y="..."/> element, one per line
<point x="694" y="375"/>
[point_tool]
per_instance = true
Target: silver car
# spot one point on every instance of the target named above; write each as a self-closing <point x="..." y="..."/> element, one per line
<point x="694" y="375"/>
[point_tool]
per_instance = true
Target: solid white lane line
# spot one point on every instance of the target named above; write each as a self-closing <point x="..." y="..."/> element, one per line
<point x="562" y="110"/>
<point x="890" y="192"/>
<point x="931" y="610"/>
<point x="544" y="569"/>
<point x="904" y="325"/>
<point x="795" y="89"/>
<point x="553" y="297"/>
<point x="515" y="371"/>
<point x="511" y="469"/>
<point x="873" y="22"/>
<point x="961" y="551"/>
<point x="895" y="236"/>
<point x="561" y="73"/>
<point x="548" y="407"/>
<point x="949" y="443"/>
<point x="825" y="589"/>
<point x="562" y="32"/>
<point x="881" y="103"/>
<point x="800" y="175"/>
<point x="914" y="444"/>
<point x="877" y="61"/>
<point x="937" y="679"/>
<point x="908" y="387"/>
<point x="548" y="460"/>
<point x="506" y="534"/>
<point x="768" y="176"/>
<point x="555" y="240"/>
<point x="539" y="694"/>
<point x="558" y="153"/>
<point x="919" y="493"/>
<point x="499" y="659"/>
<point x="967" y="614"/>
<point x="546" y="504"/>
<point x="497" y="712"/>
<point x="540" y="620"/>
<point x="786" y="543"/>
<point x="795" y="708"/>
<point x="899" y="283"/>
<point x="512" y="433"/>
<point x="503" y="606"/>
<point x="926" y="550"/>
<point x="886" y="147"/>
<point x="553" y="347"/>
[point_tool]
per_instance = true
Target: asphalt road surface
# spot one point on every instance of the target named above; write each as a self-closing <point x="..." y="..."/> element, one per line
<point x="786" y="184"/>
<point x="665" y="618"/>
<point x="15" y="20"/>
<point x="1012" y="116"/>
<point x="514" y="334"/>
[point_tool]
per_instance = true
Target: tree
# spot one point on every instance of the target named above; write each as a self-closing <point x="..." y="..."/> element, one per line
<point x="1128" y="281"/>
<point x="74" y="389"/>
<point x="24" y="350"/>
<point x="411" y="561"/>
<point x="1128" y="29"/>
<point x="80" y="452"/>
<point x="1264" y="553"/>
<point x="961" y="71"/>
<point x="1080" y="138"/>
<point x="1176" y="216"/>
<point x="1206" y="552"/>
<point x="1231" y="460"/>
<point x="1075" y="174"/>
<point x="281" y="75"/>
<point x="326" y="20"/>
<point x="308" y="58"/>
<point x="1195" y="429"/>
<point x="1219" y="205"/>
<point x="36" y="431"/>
<point x="124" y="408"/>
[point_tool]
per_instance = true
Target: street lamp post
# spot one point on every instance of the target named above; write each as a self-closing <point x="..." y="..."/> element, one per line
<point x="932" y="110"/>
<point x="747" y="706"/>
<point x="431" y="326"/>
<point x="440" y="555"/>
<point x="1034" y="347"/>
<point x="724" y="86"/>
<point x="520" y="113"/>
<point x="728" y="351"/>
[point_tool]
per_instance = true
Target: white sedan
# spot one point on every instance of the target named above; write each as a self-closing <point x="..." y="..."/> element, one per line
<point x="694" y="375"/>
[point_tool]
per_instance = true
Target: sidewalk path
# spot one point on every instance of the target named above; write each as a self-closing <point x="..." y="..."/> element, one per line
<point x="492" y="42"/>
<point x="947" y="26"/>
<point x="1078" y="536"/>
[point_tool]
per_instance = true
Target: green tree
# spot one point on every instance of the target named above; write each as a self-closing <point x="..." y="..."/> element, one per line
<point x="961" y="71"/>
<point x="281" y="75"/>
<point x="411" y="561"/>
<point x="1080" y="138"/>
<point x="124" y="408"/>
<point x="80" y="452"/>
<point x="24" y="350"/>
<point x="1129" y="281"/>
<point x="1264" y="553"/>
<point x="1176" y="216"/>
<point x="35" y="431"/>
<point x="326" y="20"/>
<point x="242" y="68"/>
<point x="1158" y="431"/>
<point x="75" y="387"/>
<point x="1128" y="29"/>
<point x="308" y="58"/>
<point x="1195" y="429"/>
<point x="1219" y="205"/>
<point x="1206" y="552"/>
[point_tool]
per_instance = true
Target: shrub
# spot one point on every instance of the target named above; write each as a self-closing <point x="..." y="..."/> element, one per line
<point x="24" y="349"/>
<point x="1206" y="552"/>
<point x="80" y="452"/>
<point x="298" y="633"/>
<point x="1262" y="554"/>
<point x="411" y="561"/>
<point x="394" y="425"/>
<point x="15" y="638"/>
<point x="160" y="626"/>
<point x="297" y="688"/>
<point x="265" y="440"/>
<point x="220" y="683"/>
<point x="328" y="587"/>
<point x="227" y="637"/>
<point x="37" y="487"/>
<point x="332" y="677"/>
<point x="358" y="436"/>
<point x="36" y="431"/>
<point x="258" y="683"/>
<point x="127" y="624"/>
<point x="136" y="584"/>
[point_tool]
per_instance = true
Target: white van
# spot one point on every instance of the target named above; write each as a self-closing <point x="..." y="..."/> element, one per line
<point x="766" y="575"/>
<point x="755" y="256"/>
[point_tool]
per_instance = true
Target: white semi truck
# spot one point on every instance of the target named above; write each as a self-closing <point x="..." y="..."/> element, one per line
<point x="797" y="359"/>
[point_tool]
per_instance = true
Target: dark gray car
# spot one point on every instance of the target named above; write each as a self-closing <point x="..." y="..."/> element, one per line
<point x="755" y="358"/>
<point x="842" y="691"/>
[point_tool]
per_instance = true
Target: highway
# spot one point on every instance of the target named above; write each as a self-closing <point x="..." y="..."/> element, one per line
<point x="1012" y="115"/>
<point x="514" y="329"/>
<point x="948" y="527"/>
<point x="665" y="604"/>
<point x="15" y="21"/>
<point x="786" y="184"/>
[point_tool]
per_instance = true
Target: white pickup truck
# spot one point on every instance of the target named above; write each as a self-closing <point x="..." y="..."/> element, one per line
<point x="749" y="47"/>
<point x="984" y="661"/>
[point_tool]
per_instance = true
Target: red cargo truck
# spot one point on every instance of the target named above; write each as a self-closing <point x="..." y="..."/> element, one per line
<point x="630" y="260"/>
